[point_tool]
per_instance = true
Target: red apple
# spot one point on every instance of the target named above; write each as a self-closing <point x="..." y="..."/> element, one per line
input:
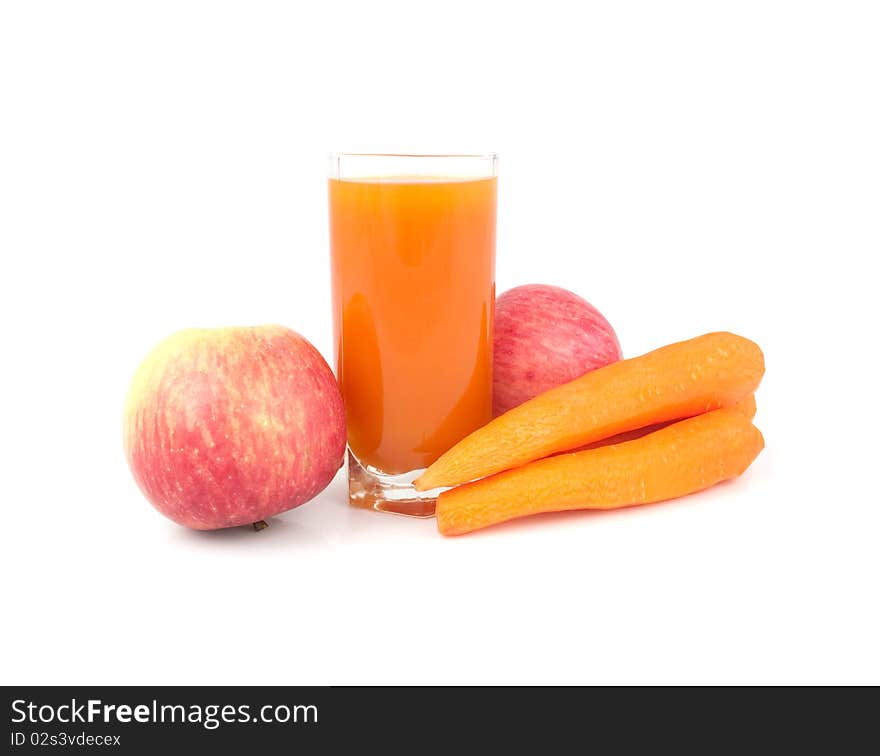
<point x="229" y="426"/>
<point x="546" y="336"/>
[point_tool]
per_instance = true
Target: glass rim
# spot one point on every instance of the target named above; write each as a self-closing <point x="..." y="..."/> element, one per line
<point x="479" y="155"/>
<point x="368" y="166"/>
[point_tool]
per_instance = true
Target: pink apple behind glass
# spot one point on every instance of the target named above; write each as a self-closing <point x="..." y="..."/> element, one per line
<point x="546" y="336"/>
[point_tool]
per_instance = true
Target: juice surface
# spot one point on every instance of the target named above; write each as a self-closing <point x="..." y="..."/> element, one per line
<point x="413" y="264"/>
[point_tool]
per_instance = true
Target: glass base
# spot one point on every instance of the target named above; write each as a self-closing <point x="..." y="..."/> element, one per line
<point x="370" y="489"/>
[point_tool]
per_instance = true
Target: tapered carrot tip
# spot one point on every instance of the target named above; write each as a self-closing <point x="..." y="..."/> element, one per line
<point x="680" y="459"/>
<point x="677" y="381"/>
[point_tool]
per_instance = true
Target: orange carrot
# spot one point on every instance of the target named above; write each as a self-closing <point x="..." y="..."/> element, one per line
<point x="682" y="458"/>
<point x="676" y="381"/>
<point x="746" y="407"/>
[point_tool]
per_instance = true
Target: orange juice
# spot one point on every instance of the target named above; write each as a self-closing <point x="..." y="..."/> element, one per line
<point x="413" y="264"/>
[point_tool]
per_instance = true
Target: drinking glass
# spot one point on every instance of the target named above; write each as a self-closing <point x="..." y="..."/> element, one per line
<point x="412" y="248"/>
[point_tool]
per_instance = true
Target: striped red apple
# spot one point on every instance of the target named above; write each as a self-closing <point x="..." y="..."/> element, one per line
<point x="545" y="336"/>
<point x="230" y="426"/>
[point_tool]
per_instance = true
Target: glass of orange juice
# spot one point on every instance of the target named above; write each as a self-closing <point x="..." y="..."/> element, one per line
<point x="412" y="247"/>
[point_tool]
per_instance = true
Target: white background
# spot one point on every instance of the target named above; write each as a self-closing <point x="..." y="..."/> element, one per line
<point x="686" y="167"/>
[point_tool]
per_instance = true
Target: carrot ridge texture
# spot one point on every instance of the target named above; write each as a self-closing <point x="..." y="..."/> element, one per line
<point x="677" y="381"/>
<point x="746" y="407"/>
<point x="680" y="459"/>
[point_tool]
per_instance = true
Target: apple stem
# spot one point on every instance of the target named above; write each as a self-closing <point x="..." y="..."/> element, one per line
<point x="260" y="525"/>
